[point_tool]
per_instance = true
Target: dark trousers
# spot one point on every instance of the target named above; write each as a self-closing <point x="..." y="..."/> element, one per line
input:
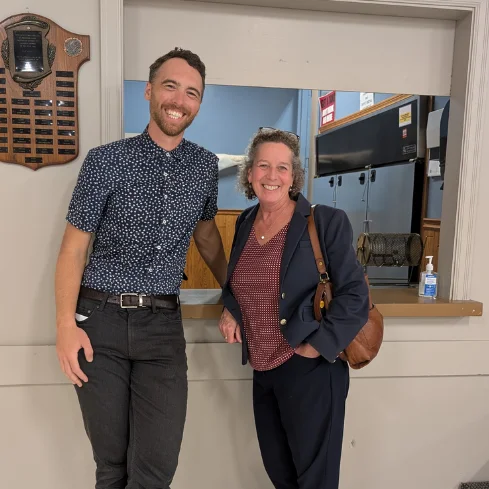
<point x="299" y="412"/>
<point x="134" y="403"/>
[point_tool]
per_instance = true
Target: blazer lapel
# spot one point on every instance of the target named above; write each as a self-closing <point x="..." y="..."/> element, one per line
<point x="298" y="224"/>
<point x="241" y="239"/>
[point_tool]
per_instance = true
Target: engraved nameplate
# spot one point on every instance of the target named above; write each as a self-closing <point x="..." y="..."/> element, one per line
<point x="65" y="103"/>
<point x="64" y="74"/>
<point x="21" y="111"/>
<point x="65" y="123"/>
<point x="20" y="101"/>
<point x="43" y="103"/>
<point x="21" y="130"/>
<point x="44" y="122"/>
<point x="65" y="113"/>
<point x="33" y="159"/>
<point x="44" y="141"/>
<point x="22" y="140"/>
<point x="65" y="84"/>
<point x="64" y="93"/>
<point x="43" y="112"/>
<point x="44" y="132"/>
<point x="18" y="120"/>
<point x="22" y="150"/>
<point x="66" y="132"/>
<point x="66" y="152"/>
<point x="66" y="142"/>
<point x="62" y="122"/>
<point x="31" y="93"/>
<point x="44" y="151"/>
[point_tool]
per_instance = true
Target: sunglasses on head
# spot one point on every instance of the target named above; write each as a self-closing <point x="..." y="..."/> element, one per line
<point x="272" y="129"/>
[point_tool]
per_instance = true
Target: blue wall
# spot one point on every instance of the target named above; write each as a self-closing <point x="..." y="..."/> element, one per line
<point x="228" y="118"/>
<point x="230" y="115"/>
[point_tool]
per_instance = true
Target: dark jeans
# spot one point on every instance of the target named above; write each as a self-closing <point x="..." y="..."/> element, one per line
<point x="299" y="415"/>
<point x="134" y="404"/>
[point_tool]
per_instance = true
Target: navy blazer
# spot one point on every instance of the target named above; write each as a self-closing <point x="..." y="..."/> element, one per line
<point x="348" y="311"/>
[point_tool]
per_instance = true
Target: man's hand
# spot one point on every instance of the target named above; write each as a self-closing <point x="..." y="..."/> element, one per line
<point x="69" y="340"/>
<point x="306" y="350"/>
<point x="229" y="328"/>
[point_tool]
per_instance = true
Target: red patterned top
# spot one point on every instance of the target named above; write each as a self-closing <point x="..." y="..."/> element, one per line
<point x="255" y="283"/>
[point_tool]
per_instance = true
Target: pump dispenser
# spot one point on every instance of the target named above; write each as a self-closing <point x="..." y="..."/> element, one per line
<point x="428" y="284"/>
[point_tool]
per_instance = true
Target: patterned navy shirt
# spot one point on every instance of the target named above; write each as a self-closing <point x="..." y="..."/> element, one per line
<point x="142" y="203"/>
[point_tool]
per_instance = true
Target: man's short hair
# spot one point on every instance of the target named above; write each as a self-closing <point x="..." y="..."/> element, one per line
<point x="191" y="58"/>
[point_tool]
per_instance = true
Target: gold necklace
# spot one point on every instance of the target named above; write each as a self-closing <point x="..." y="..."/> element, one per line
<point x="273" y="222"/>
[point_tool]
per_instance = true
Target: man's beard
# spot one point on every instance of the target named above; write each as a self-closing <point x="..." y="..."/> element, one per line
<point x="167" y="128"/>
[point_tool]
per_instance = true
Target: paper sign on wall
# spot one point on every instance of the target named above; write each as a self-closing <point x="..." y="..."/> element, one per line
<point x="327" y="104"/>
<point x="405" y="117"/>
<point x="366" y="100"/>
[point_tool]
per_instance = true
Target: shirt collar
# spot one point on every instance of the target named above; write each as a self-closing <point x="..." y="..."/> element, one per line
<point x="154" y="150"/>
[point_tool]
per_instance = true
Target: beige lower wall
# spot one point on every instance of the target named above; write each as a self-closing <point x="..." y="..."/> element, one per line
<point x="400" y="432"/>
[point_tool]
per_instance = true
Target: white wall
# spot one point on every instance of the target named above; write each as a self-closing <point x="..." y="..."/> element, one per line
<point x="432" y="374"/>
<point x="282" y="47"/>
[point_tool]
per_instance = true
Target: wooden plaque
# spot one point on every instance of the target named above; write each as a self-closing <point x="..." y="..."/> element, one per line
<point x="39" y="91"/>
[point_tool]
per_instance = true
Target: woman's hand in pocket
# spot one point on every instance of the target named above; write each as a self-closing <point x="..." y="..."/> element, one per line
<point x="69" y="340"/>
<point x="306" y="350"/>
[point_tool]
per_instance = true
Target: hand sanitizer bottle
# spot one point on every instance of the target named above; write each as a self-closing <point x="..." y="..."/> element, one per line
<point x="428" y="284"/>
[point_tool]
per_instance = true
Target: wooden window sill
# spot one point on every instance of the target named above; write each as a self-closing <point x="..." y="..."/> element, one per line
<point x="391" y="302"/>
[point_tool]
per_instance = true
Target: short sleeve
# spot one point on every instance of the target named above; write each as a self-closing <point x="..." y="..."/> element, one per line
<point x="90" y="194"/>
<point x="210" y="208"/>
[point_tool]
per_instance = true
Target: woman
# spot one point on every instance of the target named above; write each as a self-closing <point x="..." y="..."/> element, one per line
<point x="299" y="383"/>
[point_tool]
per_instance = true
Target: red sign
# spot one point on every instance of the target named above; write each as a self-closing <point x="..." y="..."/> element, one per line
<point x="327" y="103"/>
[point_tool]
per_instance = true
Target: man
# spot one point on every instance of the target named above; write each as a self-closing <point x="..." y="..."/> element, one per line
<point x="143" y="198"/>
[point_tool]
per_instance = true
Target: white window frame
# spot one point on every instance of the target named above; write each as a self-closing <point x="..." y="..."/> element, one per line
<point x="467" y="112"/>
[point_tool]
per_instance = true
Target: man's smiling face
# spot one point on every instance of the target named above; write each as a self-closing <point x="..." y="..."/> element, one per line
<point x="174" y="96"/>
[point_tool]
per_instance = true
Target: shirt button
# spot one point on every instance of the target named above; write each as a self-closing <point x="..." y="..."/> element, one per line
<point x="165" y="174"/>
<point x="164" y="221"/>
<point x="165" y="196"/>
<point x="158" y="247"/>
<point x="150" y="269"/>
<point x="283" y="295"/>
<point x="283" y="322"/>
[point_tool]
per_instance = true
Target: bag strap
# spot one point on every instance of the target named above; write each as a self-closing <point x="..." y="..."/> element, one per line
<point x="316" y="247"/>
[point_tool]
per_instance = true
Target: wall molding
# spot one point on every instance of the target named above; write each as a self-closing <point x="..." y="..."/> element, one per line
<point x="38" y="365"/>
<point x="111" y="69"/>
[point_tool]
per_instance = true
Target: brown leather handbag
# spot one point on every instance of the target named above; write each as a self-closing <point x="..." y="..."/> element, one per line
<point x="365" y="346"/>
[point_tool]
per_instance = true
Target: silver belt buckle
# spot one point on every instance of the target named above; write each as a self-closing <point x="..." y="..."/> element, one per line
<point x="140" y="304"/>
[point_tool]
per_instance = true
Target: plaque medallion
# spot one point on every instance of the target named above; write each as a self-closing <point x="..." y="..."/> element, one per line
<point x="73" y="46"/>
<point x="39" y="67"/>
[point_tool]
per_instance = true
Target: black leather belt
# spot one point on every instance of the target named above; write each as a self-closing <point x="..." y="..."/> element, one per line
<point x="132" y="300"/>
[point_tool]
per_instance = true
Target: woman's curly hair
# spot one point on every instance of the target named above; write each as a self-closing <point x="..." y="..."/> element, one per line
<point x="272" y="136"/>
